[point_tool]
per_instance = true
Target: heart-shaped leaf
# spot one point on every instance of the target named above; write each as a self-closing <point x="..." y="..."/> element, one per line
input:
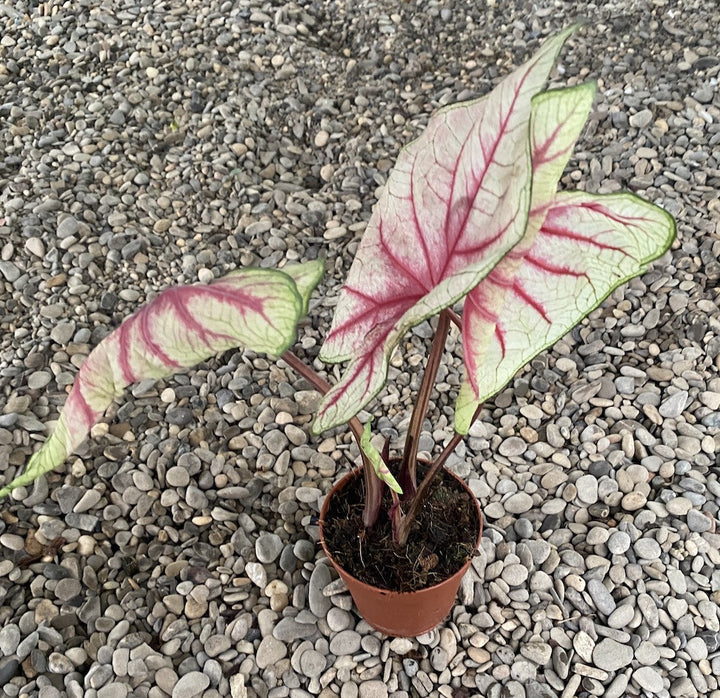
<point x="577" y="249"/>
<point x="255" y="308"/>
<point x="454" y="205"/>
<point x="588" y="245"/>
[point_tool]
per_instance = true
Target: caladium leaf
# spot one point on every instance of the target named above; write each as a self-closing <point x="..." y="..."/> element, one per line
<point x="498" y="337"/>
<point x="255" y="308"/>
<point x="306" y="277"/>
<point x="379" y="465"/>
<point x="588" y="245"/>
<point x="556" y="121"/>
<point x="454" y="205"/>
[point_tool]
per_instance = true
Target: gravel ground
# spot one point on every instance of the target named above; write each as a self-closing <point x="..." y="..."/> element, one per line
<point x="159" y="142"/>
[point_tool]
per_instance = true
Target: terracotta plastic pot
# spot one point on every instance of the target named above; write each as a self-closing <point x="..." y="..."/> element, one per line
<point x="400" y="614"/>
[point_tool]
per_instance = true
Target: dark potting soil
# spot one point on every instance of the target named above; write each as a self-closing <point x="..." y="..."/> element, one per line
<point x="442" y="538"/>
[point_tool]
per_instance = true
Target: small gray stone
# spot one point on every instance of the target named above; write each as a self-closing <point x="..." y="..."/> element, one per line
<point x="318" y="602"/>
<point x="373" y="689"/>
<point x="518" y="503"/>
<point x="601" y="597"/>
<point x="268" y="547"/>
<point x="289" y="629"/>
<point x="9" y="639"/>
<point x="674" y="405"/>
<point x="537" y="651"/>
<point x="705" y="93"/>
<point x="338" y="620"/>
<point x="515" y="574"/>
<point x="312" y="663"/>
<point x="649" y="609"/>
<point x="116" y="689"/>
<point x="611" y="655"/>
<point x="410" y="667"/>
<point x="9" y="271"/>
<point x="62" y="332"/>
<point x="270" y="651"/>
<point x="439" y="659"/>
<point x="117" y="117"/>
<point x="59" y="664"/>
<point x="641" y="119"/>
<point x="345" y="642"/>
<point x="646" y="653"/>
<point x="512" y="446"/>
<point x="166" y="679"/>
<point x="217" y="644"/>
<point x="587" y="489"/>
<point x="584" y="645"/>
<point x="39" y="379"/>
<point x="647" y="548"/>
<point x="535" y="689"/>
<point x="618" y="543"/>
<point x="68" y="226"/>
<point x="677" y="580"/>
<point x="177" y="476"/>
<point x="9" y="666"/>
<point x="257" y="573"/>
<point x="649" y="679"/>
<point x="697" y="649"/>
<point x="621" y="616"/>
<point x="401" y="645"/>
<point x="698" y="522"/>
<point x="191" y="684"/>
<point x="304" y="550"/>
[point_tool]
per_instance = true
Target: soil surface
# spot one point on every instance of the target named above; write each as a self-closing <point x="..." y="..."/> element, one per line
<point x="442" y="538"/>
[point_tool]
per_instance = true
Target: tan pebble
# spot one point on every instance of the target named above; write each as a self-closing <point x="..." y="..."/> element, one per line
<point x="321" y="139"/>
<point x="276" y="586"/>
<point x="479" y="655"/>
<point x="278" y="602"/>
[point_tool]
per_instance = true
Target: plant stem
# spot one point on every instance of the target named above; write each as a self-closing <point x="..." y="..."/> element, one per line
<point x="373" y="484"/>
<point x="455" y="318"/>
<point x="408" y="467"/>
<point x="403" y="526"/>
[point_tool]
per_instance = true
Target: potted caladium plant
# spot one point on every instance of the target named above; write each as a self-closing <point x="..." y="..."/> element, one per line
<point x="470" y="228"/>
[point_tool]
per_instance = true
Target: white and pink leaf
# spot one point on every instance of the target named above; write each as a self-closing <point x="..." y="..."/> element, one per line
<point x="455" y="204"/>
<point x="254" y="308"/>
<point x="588" y="245"/>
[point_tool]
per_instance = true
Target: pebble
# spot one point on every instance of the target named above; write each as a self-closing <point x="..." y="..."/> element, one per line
<point x="270" y="651"/>
<point x="621" y="616"/>
<point x="601" y="597"/>
<point x="9" y="639"/>
<point x="191" y="684"/>
<point x="698" y="522"/>
<point x="518" y="503"/>
<point x="373" y="689"/>
<point x="345" y="643"/>
<point x="649" y="679"/>
<point x="674" y="405"/>
<point x="268" y="547"/>
<point x="515" y="575"/>
<point x="318" y="602"/>
<point x="312" y="663"/>
<point x="587" y="489"/>
<point x="618" y="543"/>
<point x="641" y="119"/>
<point x="611" y="655"/>
<point x="647" y="548"/>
